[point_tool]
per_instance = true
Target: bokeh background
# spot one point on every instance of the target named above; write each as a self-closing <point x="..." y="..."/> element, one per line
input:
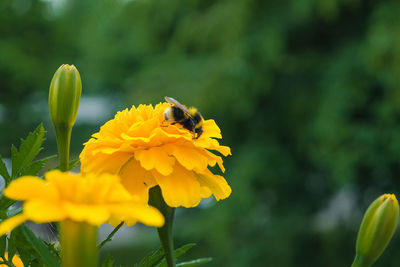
<point x="306" y="93"/>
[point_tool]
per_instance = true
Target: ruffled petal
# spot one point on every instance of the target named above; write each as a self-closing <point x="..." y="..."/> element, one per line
<point x="104" y="162"/>
<point x="64" y="182"/>
<point x="11" y="223"/>
<point x="30" y="187"/>
<point x="180" y="188"/>
<point x="137" y="180"/>
<point x="92" y="214"/>
<point x="210" y="129"/>
<point x="215" y="159"/>
<point x="216" y="183"/>
<point x="205" y="192"/>
<point x="42" y="211"/>
<point x="132" y="213"/>
<point x="156" y="158"/>
<point x="189" y="157"/>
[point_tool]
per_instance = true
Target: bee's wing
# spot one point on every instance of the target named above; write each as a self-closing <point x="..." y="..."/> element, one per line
<point x="179" y="105"/>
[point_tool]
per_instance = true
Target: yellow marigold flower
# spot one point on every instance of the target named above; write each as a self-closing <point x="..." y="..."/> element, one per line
<point x="94" y="199"/>
<point x="145" y="150"/>
<point x="15" y="260"/>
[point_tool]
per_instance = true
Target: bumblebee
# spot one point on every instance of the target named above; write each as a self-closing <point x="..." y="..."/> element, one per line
<point x="189" y="118"/>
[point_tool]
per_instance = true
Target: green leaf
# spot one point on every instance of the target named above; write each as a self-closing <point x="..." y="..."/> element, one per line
<point x="5" y="203"/>
<point x="152" y="259"/>
<point x="177" y="253"/>
<point x="26" y="256"/>
<point x="27" y="152"/>
<point x="109" y="262"/>
<point x="182" y="250"/>
<point x="25" y="251"/>
<point x="36" y="166"/>
<point x="49" y="259"/>
<point x="4" y="172"/>
<point x="3" y="242"/>
<point x="12" y="244"/>
<point x="71" y="164"/>
<point x="13" y="212"/>
<point x="194" y="262"/>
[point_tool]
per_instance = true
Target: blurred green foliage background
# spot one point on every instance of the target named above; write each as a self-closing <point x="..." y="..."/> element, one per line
<point x="306" y="94"/>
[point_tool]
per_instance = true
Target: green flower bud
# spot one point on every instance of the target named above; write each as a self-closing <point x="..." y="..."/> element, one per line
<point x="65" y="93"/>
<point x="376" y="230"/>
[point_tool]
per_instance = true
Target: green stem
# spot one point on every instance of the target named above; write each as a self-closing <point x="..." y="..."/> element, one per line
<point x="78" y="244"/>
<point x="165" y="233"/>
<point x="63" y="134"/>
<point x="361" y="262"/>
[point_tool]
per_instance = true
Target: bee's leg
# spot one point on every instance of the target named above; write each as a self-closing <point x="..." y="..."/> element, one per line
<point x="166" y="125"/>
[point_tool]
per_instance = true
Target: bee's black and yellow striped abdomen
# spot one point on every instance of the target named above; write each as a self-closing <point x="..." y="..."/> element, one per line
<point x="192" y="121"/>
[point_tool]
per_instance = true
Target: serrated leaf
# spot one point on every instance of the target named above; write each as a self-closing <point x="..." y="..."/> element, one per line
<point x="151" y="259"/>
<point x="4" y="171"/>
<point x="28" y="150"/>
<point x="108" y="262"/>
<point x="194" y="262"/>
<point x="52" y="248"/>
<point x="48" y="259"/>
<point x="34" y="167"/>
<point x="25" y="251"/>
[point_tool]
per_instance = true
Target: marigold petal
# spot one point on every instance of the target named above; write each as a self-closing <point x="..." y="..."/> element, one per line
<point x="42" y="211"/>
<point x="156" y="158"/>
<point x="104" y="162"/>
<point x="215" y="159"/>
<point x="217" y="184"/>
<point x="92" y="214"/>
<point x="64" y="183"/>
<point x="11" y="223"/>
<point x="188" y="157"/>
<point x="205" y="192"/>
<point x="105" y="188"/>
<point x="211" y="129"/>
<point x="180" y="188"/>
<point x="132" y="213"/>
<point x="212" y="144"/>
<point x="30" y="187"/>
<point x="224" y="150"/>
<point x="136" y="180"/>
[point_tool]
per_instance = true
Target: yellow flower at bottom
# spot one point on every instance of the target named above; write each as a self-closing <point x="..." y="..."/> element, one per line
<point x="15" y="260"/>
<point x="94" y="199"/>
<point x="146" y="150"/>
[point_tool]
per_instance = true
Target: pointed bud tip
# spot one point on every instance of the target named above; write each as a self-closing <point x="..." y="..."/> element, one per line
<point x="377" y="228"/>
